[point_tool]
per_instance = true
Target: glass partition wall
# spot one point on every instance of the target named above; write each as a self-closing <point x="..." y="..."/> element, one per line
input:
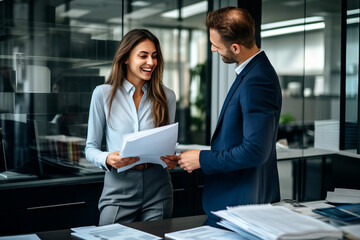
<point x="351" y="136"/>
<point x="302" y="39"/>
<point x="314" y="47"/>
<point x="54" y="53"/>
<point x="283" y="40"/>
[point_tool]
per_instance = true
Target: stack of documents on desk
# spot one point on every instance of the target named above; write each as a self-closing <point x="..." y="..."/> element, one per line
<point x="275" y="223"/>
<point x="201" y="233"/>
<point x="351" y="231"/>
<point x="21" y="237"/>
<point x="326" y="134"/>
<point x="185" y="147"/>
<point x="112" y="232"/>
<point x="343" y="195"/>
<point x="149" y="145"/>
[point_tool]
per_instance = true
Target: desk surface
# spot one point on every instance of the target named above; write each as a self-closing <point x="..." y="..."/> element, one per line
<point x="297" y="153"/>
<point x="158" y="228"/>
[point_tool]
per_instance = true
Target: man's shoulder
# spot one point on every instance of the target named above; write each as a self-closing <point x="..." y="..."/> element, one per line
<point x="261" y="63"/>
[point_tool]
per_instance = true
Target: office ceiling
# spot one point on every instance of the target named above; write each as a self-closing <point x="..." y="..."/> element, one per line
<point x="145" y="12"/>
<point x="280" y="10"/>
<point x="148" y="12"/>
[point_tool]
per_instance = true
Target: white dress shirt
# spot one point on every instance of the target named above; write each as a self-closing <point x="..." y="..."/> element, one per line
<point x="241" y="67"/>
<point x="123" y="119"/>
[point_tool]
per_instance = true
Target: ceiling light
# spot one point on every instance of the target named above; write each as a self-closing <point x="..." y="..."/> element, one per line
<point x="353" y="11"/>
<point x="291" y="22"/>
<point x="293" y="29"/>
<point x="293" y="3"/>
<point x="114" y="20"/>
<point x="140" y="13"/>
<point x="140" y="4"/>
<point x="74" y="13"/>
<point x="314" y="26"/>
<point x="187" y="11"/>
<point x="143" y="13"/>
<point x="352" y="20"/>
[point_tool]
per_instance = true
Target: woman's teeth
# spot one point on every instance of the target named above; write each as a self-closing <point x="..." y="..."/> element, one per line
<point x="146" y="69"/>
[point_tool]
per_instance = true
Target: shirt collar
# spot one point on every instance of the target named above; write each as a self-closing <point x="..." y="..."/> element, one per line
<point x="239" y="68"/>
<point x="128" y="86"/>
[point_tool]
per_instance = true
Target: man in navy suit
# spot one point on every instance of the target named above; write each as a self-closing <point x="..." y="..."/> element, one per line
<point x="241" y="166"/>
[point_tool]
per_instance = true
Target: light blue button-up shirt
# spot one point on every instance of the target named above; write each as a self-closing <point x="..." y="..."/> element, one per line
<point x="123" y="119"/>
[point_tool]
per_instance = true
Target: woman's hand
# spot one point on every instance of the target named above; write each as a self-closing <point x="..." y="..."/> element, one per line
<point x="170" y="160"/>
<point x="114" y="160"/>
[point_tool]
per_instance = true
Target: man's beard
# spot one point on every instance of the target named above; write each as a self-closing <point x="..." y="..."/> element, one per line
<point x="227" y="59"/>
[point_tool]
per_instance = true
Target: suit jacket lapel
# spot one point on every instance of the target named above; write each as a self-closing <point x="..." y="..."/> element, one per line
<point x="226" y="102"/>
<point x="234" y="86"/>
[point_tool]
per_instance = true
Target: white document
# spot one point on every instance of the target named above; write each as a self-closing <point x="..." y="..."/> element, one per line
<point x="185" y="147"/>
<point x="112" y="232"/>
<point x="21" y="237"/>
<point x="150" y="144"/>
<point x="275" y="223"/>
<point x="343" y="195"/>
<point x="353" y="230"/>
<point x="202" y="233"/>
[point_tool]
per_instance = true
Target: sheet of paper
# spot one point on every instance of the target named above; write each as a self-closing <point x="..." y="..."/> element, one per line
<point x="347" y="192"/>
<point x="21" y="237"/>
<point x="342" y="195"/>
<point x="185" y="147"/>
<point x="112" y="232"/>
<point x="202" y="233"/>
<point x="353" y="230"/>
<point x="150" y="144"/>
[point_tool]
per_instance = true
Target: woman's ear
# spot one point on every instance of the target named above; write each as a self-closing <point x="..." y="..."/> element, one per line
<point x="235" y="48"/>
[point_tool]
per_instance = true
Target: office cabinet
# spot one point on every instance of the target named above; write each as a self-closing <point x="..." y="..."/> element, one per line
<point x="187" y="192"/>
<point x="46" y="205"/>
<point x="41" y="205"/>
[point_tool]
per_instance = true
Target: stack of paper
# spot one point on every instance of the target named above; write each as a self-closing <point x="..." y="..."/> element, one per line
<point x="274" y="223"/>
<point x="21" y="237"/>
<point x="343" y="195"/>
<point x="327" y="134"/>
<point x="201" y="233"/>
<point x="112" y="232"/>
<point x="185" y="147"/>
<point x="150" y="144"/>
<point x="351" y="231"/>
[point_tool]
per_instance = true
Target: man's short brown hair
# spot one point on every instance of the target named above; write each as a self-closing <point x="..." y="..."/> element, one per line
<point x="235" y="25"/>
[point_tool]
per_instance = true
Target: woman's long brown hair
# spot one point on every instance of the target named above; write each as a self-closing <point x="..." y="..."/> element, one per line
<point x="117" y="75"/>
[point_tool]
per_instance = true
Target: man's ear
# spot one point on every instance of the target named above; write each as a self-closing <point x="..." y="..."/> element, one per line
<point x="235" y="48"/>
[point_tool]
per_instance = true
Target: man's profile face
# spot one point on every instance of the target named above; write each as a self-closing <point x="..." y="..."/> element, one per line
<point x="217" y="45"/>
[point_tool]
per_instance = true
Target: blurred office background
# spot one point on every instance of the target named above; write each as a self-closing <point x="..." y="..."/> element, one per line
<point x="54" y="52"/>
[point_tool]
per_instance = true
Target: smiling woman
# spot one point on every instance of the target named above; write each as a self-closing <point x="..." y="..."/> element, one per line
<point x="141" y="63"/>
<point x="135" y="99"/>
<point x="139" y="67"/>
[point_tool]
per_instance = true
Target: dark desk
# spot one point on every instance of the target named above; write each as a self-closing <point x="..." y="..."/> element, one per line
<point x="158" y="228"/>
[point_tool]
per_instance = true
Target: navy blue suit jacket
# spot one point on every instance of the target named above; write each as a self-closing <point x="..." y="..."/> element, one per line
<point x="241" y="166"/>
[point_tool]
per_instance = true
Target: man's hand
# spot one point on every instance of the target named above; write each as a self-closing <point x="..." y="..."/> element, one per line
<point x="170" y="160"/>
<point x="114" y="160"/>
<point x="189" y="160"/>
